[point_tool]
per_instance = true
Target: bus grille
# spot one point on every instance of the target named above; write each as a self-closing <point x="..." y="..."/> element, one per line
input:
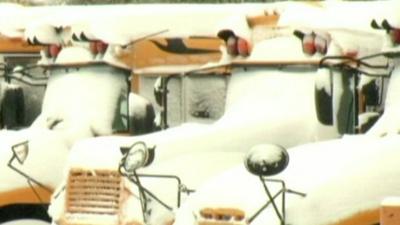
<point x="93" y="196"/>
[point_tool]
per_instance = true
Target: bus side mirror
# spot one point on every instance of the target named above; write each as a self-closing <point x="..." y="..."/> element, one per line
<point x="323" y="98"/>
<point x="21" y="151"/>
<point x="266" y="160"/>
<point x="136" y="156"/>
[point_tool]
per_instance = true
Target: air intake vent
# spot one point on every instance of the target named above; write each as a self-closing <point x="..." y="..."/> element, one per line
<point x="92" y="197"/>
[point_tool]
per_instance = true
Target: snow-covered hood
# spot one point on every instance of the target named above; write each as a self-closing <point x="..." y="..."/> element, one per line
<point x="47" y="153"/>
<point x="333" y="174"/>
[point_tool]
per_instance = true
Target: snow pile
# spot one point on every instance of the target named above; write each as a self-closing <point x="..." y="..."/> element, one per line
<point x="73" y="55"/>
<point x="43" y="145"/>
<point x="12" y="27"/>
<point x="44" y="33"/>
<point x="264" y="113"/>
<point x="340" y="168"/>
<point x="82" y="102"/>
<point x="265" y="153"/>
<point x="323" y="81"/>
<point x="361" y="43"/>
<point x="377" y="167"/>
<point x="324" y="14"/>
<point x="391" y="201"/>
<point x="78" y="103"/>
<point x="137" y="106"/>
<point x="290" y="50"/>
<point x="113" y="31"/>
<point x="110" y="57"/>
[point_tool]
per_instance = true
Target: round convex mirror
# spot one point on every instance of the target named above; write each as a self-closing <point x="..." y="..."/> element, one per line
<point x="266" y="160"/>
<point x="137" y="156"/>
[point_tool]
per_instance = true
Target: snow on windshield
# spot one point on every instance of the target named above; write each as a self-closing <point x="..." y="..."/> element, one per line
<point x="84" y="98"/>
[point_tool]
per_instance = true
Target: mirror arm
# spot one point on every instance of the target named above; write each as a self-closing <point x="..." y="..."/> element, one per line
<point x="26" y="176"/>
<point x="146" y="191"/>
<point x="271" y="199"/>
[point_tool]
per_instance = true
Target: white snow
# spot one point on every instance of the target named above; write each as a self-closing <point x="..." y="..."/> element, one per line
<point x="43" y="144"/>
<point x="365" y="117"/>
<point x="93" y="22"/>
<point x="325" y="14"/>
<point x="324" y="81"/>
<point x="253" y="116"/>
<point x="359" y="161"/>
<point x="26" y="222"/>
<point x="10" y="27"/>
<point x="290" y="50"/>
<point x="376" y="168"/>
<point x="258" y="111"/>
<point x="44" y="33"/>
<point x="79" y="103"/>
<point x="89" y="98"/>
<point x="321" y="170"/>
<point x="265" y="152"/>
<point x="122" y="33"/>
<point x="74" y="55"/>
<point x="391" y="201"/>
<point x="279" y="105"/>
<point x="137" y="105"/>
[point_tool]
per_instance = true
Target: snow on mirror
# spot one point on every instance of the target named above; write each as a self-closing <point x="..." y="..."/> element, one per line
<point x="136" y="156"/>
<point x="21" y="151"/>
<point x="266" y="160"/>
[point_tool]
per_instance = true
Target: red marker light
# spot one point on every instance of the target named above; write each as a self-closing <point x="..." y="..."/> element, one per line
<point x="101" y="47"/>
<point x="243" y="47"/>
<point x="93" y="48"/>
<point x="309" y="44"/>
<point x="53" y="50"/>
<point x="97" y="47"/>
<point x="395" y="35"/>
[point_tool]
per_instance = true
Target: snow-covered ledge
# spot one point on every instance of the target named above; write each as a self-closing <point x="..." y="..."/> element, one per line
<point x="390" y="211"/>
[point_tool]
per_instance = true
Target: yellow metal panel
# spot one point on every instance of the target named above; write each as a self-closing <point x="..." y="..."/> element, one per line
<point x="16" y="45"/>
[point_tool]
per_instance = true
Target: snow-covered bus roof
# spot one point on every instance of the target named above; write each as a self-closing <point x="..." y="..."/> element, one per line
<point x="122" y="24"/>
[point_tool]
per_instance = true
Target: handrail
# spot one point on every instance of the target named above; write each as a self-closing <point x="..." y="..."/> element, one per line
<point x="346" y="63"/>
